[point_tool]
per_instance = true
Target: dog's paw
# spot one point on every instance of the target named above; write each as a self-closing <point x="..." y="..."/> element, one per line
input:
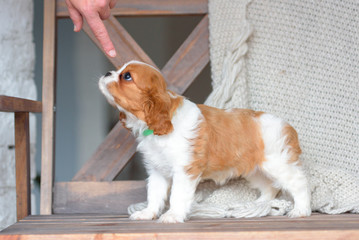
<point x="299" y="212"/>
<point x="171" y="217"/>
<point x="144" y="214"/>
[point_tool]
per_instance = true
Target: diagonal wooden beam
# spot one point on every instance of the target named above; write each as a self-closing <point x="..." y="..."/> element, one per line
<point x="110" y="158"/>
<point x="126" y="47"/>
<point x="189" y="60"/>
<point x="149" y="8"/>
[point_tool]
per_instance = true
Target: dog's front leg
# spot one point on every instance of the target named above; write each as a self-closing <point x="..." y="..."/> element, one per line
<point x="182" y="196"/>
<point x="157" y="188"/>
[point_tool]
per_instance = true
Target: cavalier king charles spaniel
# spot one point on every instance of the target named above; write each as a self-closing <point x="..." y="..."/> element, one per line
<point x="184" y="143"/>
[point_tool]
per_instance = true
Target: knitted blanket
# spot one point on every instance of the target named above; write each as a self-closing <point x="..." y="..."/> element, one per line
<point x="297" y="60"/>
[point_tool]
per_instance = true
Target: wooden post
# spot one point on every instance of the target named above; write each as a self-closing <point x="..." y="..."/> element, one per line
<point x="22" y="164"/>
<point x="48" y="107"/>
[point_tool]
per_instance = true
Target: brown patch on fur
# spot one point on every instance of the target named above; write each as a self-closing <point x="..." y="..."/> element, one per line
<point x="292" y="140"/>
<point x="257" y="114"/>
<point x="227" y="140"/>
<point x="175" y="104"/>
<point x="123" y="117"/>
<point x="127" y="96"/>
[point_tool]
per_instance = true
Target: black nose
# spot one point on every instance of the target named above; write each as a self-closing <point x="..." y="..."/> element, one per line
<point x="108" y="74"/>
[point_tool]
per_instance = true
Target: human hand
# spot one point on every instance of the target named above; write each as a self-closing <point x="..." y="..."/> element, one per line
<point x="94" y="11"/>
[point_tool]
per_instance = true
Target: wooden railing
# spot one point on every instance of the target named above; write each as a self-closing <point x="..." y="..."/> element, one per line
<point x="21" y="108"/>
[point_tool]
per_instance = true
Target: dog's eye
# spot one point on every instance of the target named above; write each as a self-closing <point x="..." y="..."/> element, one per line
<point x="127" y="76"/>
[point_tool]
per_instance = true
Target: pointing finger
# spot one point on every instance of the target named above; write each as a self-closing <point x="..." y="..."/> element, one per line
<point x="101" y="34"/>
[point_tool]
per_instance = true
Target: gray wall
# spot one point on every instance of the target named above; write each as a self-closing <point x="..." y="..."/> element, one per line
<point x="83" y="116"/>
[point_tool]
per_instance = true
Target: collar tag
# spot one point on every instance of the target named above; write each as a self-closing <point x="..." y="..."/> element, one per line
<point x="147" y="132"/>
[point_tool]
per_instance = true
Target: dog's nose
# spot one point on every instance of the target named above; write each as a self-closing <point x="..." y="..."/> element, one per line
<point x="108" y="74"/>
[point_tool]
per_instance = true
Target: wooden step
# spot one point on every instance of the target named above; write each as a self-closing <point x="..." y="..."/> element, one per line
<point x="318" y="226"/>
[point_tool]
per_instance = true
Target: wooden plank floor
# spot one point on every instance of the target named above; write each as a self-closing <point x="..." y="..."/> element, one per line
<point x="318" y="226"/>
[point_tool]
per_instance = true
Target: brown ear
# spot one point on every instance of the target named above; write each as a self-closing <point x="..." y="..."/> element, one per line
<point x="157" y="108"/>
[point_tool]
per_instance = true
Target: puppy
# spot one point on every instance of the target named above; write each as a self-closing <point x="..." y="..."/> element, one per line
<point x="184" y="143"/>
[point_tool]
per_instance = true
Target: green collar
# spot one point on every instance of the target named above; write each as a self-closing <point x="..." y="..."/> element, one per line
<point x="147" y="132"/>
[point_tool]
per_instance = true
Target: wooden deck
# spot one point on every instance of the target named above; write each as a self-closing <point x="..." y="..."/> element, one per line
<point x="318" y="226"/>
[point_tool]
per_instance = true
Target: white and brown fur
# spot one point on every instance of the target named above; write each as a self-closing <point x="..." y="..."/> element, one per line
<point x="194" y="142"/>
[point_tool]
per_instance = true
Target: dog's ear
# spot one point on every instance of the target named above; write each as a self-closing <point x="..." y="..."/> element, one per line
<point x="157" y="107"/>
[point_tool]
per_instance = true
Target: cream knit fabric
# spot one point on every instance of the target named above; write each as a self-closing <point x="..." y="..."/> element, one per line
<point x="300" y="63"/>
